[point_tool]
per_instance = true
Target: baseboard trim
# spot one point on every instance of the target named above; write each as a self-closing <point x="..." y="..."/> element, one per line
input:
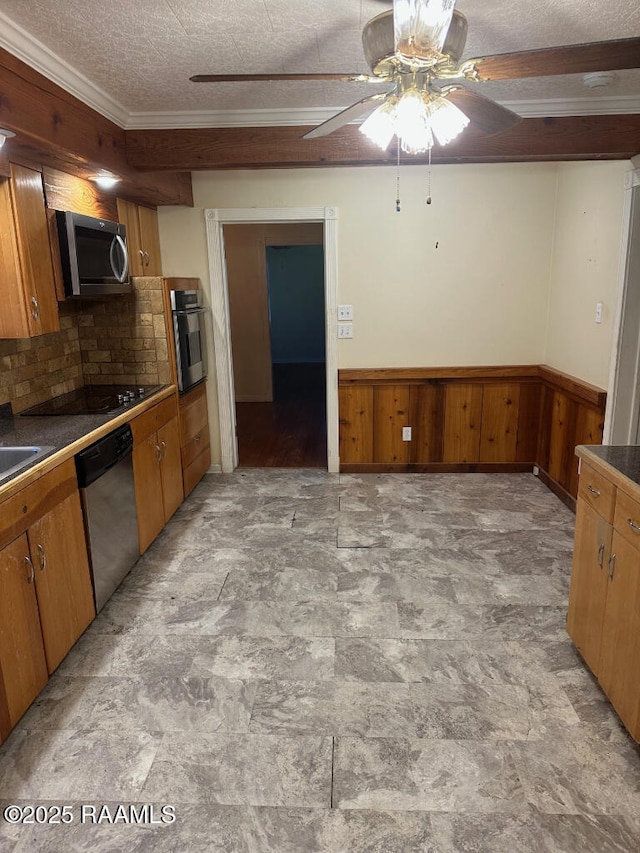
<point x="558" y="490"/>
<point x="435" y="468"/>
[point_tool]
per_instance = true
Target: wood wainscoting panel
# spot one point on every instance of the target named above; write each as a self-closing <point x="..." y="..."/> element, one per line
<point x="356" y="423"/>
<point x="528" y="422"/>
<point x="390" y="415"/>
<point x="561" y="439"/>
<point x="499" y="433"/>
<point x="589" y="425"/>
<point x="462" y="422"/>
<point x="426" y="404"/>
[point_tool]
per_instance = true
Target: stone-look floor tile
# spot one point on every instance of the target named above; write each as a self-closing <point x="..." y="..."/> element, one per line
<point x="488" y="712"/>
<point x="579" y="773"/>
<point x="437" y="620"/>
<point x="73" y="765"/>
<point x="265" y="658"/>
<point x="261" y="770"/>
<point x="299" y="584"/>
<point x="531" y="832"/>
<point x="171" y="587"/>
<point x="160" y="704"/>
<point x="394" y="586"/>
<point x="529" y="622"/>
<point x="440" y="661"/>
<point x="284" y="618"/>
<point x="132" y="654"/>
<point x="333" y="708"/>
<point x="513" y="589"/>
<point x="423" y="775"/>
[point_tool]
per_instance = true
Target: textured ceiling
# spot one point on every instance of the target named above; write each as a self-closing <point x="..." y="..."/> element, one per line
<point x="142" y="53"/>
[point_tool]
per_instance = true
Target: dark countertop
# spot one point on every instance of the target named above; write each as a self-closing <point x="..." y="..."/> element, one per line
<point x="625" y="459"/>
<point x="58" y="432"/>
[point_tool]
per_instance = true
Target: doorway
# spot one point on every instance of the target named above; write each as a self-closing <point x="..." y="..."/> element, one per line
<point x="223" y="366"/>
<point x="275" y="278"/>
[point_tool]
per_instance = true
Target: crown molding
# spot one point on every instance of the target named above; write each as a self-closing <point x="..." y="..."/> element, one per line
<point x="35" y="54"/>
<point x="31" y="51"/>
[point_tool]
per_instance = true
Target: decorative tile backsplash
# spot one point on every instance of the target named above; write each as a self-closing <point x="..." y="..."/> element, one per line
<point x="119" y="340"/>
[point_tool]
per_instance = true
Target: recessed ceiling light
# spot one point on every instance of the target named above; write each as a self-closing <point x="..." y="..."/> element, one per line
<point x="4" y="135"/>
<point x="105" y="182"/>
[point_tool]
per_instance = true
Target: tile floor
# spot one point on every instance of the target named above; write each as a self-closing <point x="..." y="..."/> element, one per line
<point x="306" y="663"/>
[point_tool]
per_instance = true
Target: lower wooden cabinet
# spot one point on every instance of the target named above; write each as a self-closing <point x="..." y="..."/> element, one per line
<point x="194" y="437"/>
<point x="46" y="597"/>
<point x="604" y="599"/>
<point x="157" y="469"/>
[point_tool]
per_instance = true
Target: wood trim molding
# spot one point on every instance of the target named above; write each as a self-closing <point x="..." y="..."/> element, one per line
<point x="583" y="391"/>
<point x="557" y="489"/>
<point x="436" y="468"/>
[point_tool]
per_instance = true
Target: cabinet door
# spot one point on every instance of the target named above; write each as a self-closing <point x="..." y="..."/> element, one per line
<point x="149" y="241"/>
<point x="588" y="592"/>
<point x="620" y="656"/>
<point x="148" y="486"/>
<point x="34" y="248"/>
<point x="22" y="657"/>
<point x="171" y="467"/>
<point x="63" y="582"/>
<point x="128" y="216"/>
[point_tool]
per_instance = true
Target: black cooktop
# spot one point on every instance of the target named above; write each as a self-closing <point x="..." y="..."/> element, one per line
<point x="94" y="400"/>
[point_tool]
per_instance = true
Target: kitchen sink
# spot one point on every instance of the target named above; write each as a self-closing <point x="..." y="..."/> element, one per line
<point x="12" y="459"/>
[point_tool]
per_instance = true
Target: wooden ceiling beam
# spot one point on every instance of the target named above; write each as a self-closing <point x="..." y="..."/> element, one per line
<point x="606" y="137"/>
<point x="53" y="128"/>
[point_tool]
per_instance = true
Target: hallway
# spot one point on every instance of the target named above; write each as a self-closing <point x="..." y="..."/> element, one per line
<point x="314" y="663"/>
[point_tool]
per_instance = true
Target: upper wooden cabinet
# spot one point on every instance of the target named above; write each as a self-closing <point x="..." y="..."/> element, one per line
<point x="29" y="305"/>
<point x="143" y="238"/>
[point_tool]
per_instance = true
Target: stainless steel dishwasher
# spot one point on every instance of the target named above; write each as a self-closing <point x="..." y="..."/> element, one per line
<point x="105" y="477"/>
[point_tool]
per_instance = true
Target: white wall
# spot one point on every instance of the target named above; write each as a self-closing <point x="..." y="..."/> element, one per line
<point x="585" y="268"/>
<point x="504" y="267"/>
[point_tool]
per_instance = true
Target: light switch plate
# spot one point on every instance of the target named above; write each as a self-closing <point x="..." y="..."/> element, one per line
<point x="345" y="312"/>
<point x="345" y="330"/>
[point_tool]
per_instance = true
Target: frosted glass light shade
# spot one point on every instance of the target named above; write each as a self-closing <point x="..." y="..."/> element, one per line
<point x="380" y="126"/>
<point x="446" y="120"/>
<point x="421" y="26"/>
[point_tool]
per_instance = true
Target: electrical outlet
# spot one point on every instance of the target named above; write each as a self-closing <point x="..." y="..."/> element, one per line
<point x="406" y="433"/>
<point x="345" y="312"/>
<point x="345" y="330"/>
<point x="598" y="312"/>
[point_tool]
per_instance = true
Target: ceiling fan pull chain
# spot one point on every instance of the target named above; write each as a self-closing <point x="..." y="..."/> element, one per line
<point x="398" y="177"/>
<point x="429" y="180"/>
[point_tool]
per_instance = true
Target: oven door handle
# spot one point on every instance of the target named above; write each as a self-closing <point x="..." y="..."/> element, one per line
<point x="185" y="312"/>
<point x="121" y="274"/>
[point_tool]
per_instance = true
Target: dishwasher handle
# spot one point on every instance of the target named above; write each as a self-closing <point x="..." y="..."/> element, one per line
<point x="99" y="457"/>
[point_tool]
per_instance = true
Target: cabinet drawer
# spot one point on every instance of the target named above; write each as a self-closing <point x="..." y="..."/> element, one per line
<point x="193" y="473"/>
<point x="193" y="414"/>
<point x="597" y="491"/>
<point x="195" y="446"/>
<point x="627" y="518"/>
<point x="21" y="510"/>
<point x="151" y="421"/>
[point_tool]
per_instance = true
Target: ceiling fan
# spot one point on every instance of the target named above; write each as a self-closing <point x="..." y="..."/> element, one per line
<point x="417" y="48"/>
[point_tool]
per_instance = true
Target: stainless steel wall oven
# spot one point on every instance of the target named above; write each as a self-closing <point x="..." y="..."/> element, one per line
<point x="189" y="332"/>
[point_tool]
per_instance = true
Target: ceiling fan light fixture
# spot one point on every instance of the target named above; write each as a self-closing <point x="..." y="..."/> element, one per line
<point x="412" y="123"/>
<point x="381" y="124"/>
<point x="446" y="120"/>
<point x="421" y="26"/>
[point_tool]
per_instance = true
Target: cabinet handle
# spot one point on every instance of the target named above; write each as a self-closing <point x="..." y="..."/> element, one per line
<point x="197" y="439"/>
<point x="158" y="453"/>
<point x="163" y="445"/>
<point x="35" y="313"/>
<point x="141" y="253"/>
<point x="43" y="557"/>
<point x="147" y="259"/>
<point x="593" y="491"/>
<point x="612" y="566"/>
<point x="633" y="526"/>
<point x="31" y="575"/>
<point x="601" y="555"/>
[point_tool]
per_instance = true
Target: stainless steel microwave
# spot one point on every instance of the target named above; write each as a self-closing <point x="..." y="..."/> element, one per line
<point x="93" y="254"/>
<point x="188" y="330"/>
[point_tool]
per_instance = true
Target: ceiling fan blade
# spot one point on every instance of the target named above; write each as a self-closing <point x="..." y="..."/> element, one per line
<point x="486" y="114"/>
<point x="261" y="78"/>
<point x="421" y="26"/>
<point x="569" y="59"/>
<point x="366" y="105"/>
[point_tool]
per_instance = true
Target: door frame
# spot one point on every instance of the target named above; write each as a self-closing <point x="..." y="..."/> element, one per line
<point x="215" y="219"/>
<point x="622" y="413"/>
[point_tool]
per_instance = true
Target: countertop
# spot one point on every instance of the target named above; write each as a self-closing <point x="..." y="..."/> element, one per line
<point x="621" y="462"/>
<point x="65" y="435"/>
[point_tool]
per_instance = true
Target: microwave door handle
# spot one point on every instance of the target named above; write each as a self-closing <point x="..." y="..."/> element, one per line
<point x="118" y="241"/>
